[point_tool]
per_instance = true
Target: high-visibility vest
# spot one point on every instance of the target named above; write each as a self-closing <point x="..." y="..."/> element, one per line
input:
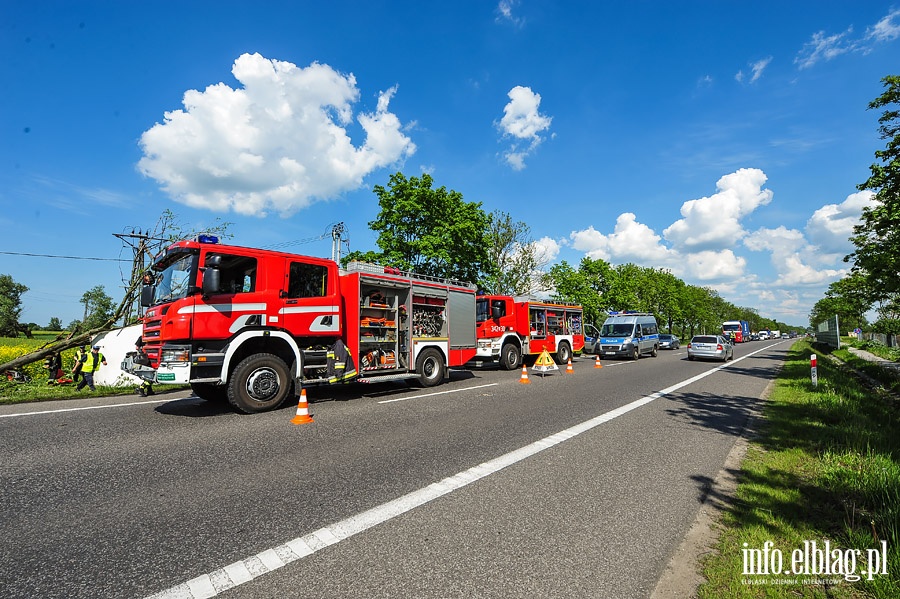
<point x="92" y="362"/>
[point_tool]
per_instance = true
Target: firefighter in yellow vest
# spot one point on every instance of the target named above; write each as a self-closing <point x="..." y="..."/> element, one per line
<point x="91" y="365"/>
<point x="80" y="355"/>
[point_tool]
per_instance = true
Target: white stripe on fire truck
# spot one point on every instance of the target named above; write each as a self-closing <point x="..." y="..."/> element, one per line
<point x="305" y="309"/>
<point x="222" y="308"/>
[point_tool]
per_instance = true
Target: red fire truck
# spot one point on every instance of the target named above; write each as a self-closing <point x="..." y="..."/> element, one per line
<point x="246" y="325"/>
<point x="510" y="328"/>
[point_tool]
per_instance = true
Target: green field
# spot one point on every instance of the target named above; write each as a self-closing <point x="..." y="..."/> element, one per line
<point x="38" y="388"/>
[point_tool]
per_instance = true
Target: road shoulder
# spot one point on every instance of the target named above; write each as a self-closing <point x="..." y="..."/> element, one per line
<point x="682" y="575"/>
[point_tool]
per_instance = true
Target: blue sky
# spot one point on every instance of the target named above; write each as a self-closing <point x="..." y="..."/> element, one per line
<point x="721" y="140"/>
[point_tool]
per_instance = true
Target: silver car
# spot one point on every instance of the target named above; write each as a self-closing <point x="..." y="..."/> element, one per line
<point x="669" y="342"/>
<point x="711" y="347"/>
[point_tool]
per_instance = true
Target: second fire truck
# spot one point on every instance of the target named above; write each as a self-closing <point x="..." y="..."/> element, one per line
<point x="510" y="329"/>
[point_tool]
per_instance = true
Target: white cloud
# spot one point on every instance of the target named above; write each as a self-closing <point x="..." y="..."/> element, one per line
<point x="792" y="257"/>
<point x="505" y="12"/>
<point x="547" y="249"/>
<point x="709" y="246"/>
<point x="709" y="266"/>
<point x="278" y="142"/>
<point x="782" y="240"/>
<point x="887" y="29"/>
<point x="758" y="67"/>
<point x="822" y="47"/>
<point x="523" y="122"/>
<point x="831" y="226"/>
<point x="593" y="243"/>
<point x="714" y="222"/>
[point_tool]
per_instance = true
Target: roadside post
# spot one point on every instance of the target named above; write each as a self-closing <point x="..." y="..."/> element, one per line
<point x="815" y="376"/>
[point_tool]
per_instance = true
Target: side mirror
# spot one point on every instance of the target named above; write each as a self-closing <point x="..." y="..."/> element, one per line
<point x="147" y="296"/>
<point x="211" y="280"/>
<point x="496" y="313"/>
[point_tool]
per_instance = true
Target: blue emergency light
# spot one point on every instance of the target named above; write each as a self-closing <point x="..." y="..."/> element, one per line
<point x="204" y="238"/>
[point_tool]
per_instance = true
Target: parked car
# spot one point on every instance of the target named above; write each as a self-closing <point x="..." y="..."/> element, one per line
<point x="669" y="342"/>
<point x="711" y="347"/>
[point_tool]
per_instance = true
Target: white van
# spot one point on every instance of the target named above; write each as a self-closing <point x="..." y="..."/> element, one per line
<point x="627" y="335"/>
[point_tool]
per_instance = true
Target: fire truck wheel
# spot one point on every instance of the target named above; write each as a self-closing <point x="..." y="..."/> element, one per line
<point x="510" y="356"/>
<point x="259" y="383"/>
<point x="430" y="367"/>
<point x="210" y="392"/>
<point x="563" y="353"/>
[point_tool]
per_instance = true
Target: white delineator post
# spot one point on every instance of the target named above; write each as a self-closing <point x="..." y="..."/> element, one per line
<point x="815" y="376"/>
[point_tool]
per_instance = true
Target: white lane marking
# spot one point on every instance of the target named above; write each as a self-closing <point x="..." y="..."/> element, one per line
<point x="114" y="405"/>
<point x="232" y="575"/>
<point x="439" y="393"/>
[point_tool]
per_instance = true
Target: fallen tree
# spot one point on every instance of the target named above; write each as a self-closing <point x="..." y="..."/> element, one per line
<point x="68" y="340"/>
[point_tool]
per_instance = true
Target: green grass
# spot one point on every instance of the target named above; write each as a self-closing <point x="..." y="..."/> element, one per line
<point x="38" y="389"/>
<point x="826" y="466"/>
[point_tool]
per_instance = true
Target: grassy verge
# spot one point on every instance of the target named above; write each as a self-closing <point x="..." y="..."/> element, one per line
<point x="825" y="467"/>
<point x="38" y="389"/>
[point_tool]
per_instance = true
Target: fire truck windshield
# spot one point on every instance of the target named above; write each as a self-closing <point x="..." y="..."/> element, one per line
<point x="174" y="281"/>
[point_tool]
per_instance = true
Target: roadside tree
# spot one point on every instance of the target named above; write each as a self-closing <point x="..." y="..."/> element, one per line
<point x="10" y="306"/>
<point x="877" y="236"/>
<point x="428" y="231"/>
<point x="514" y="262"/>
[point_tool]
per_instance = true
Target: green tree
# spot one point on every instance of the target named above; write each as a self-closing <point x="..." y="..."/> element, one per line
<point x="693" y="308"/>
<point x="99" y="308"/>
<point x="513" y="262"/>
<point x="55" y="324"/>
<point x="10" y="306"/>
<point x="877" y="236"/>
<point x="588" y="286"/>
<point x="428" y="231"/>
<point x="624" y="288"/>
<point x="849" y="298"/>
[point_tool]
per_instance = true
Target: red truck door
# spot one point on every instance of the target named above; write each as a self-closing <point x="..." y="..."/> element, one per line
<point x="310" y="303"/>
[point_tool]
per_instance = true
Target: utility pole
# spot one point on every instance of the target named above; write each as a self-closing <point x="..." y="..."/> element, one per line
<point x="337" y="232"/>
<point x="138" y="241"/>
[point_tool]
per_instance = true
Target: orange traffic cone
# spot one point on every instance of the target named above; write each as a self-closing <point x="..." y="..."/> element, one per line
<point x="524" y="378"/>
<point x="302" y="416"/>
<point x="569" y="369"/>
<point x="597" y="364"/>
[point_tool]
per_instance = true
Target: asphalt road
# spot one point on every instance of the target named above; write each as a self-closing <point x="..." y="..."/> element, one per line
<point x="576" y="485"/>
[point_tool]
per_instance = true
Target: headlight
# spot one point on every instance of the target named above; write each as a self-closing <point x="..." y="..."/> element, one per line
<point x="175" y="354"/>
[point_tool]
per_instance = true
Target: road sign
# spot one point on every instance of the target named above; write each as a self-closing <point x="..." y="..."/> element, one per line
<point x="544" y="363"/>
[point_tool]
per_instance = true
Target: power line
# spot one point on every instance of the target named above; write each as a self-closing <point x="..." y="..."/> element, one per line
<point x="65" y="257"/>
